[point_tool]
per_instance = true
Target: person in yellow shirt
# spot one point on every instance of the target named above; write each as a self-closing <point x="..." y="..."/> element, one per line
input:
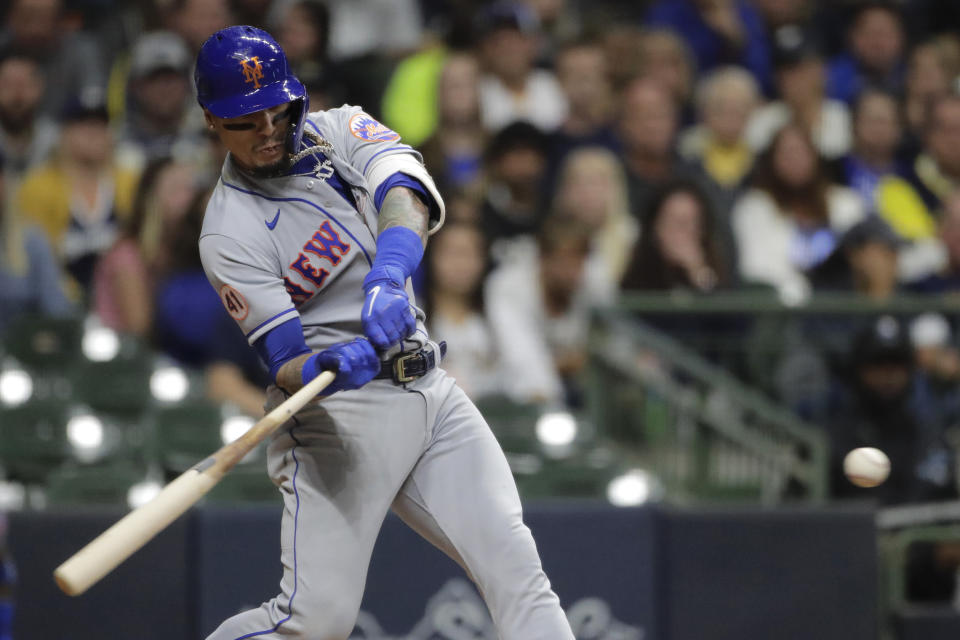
<point x="725" y="100"/>
<point x="80" y="197"/>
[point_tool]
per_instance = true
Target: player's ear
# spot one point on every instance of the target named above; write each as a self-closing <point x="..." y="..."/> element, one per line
<point x="209" y="119"/>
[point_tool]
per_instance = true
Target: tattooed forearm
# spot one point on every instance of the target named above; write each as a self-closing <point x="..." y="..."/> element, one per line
<point x="290" y="375"/>
<point x="402" y="207"/>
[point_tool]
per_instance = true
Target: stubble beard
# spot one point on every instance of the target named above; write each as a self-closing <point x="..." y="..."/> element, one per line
<point x="273" y="170"/>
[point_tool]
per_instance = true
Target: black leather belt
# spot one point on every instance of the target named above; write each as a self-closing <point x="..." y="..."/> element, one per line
<point x="408" y="366"/>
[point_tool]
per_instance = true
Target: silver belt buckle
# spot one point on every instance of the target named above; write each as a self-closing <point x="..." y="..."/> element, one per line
<point x="399" y="370"/>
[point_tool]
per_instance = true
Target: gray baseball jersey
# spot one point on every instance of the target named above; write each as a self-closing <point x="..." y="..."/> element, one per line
<point x="300" y="245"/>
<point x="296" y="245"/>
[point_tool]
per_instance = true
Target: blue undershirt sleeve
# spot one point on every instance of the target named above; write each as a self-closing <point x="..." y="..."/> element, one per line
<point x="281" y="344"/>
<point x="403" y="180"/>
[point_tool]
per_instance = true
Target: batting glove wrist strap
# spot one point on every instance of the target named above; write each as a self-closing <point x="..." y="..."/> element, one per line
<point x="399" y="248"/>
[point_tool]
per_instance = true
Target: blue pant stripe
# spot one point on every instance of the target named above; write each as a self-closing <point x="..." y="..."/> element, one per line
<point x="296" y="518"/>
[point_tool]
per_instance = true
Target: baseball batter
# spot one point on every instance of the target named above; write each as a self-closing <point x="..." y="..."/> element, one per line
<point x="310" y="237"/>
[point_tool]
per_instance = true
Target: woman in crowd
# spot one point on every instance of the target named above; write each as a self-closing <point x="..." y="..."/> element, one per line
<point x="454" y="153"/>
<point x="124" y="280"/>
<point x="678" y="248"/>
<point x="592" y="190"/>
<point x="457" y="263"/>
<point x="790" y="221"/>
<point x="192" y="326"/>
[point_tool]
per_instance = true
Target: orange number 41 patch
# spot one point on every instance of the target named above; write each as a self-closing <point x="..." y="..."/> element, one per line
<point x="235" y="303"/>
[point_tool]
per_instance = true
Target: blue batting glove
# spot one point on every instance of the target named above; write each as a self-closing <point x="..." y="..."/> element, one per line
<point x="387" y="317"/>
<point x="355" y="362"/>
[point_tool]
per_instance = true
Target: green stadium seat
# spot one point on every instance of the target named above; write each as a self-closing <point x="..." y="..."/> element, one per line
<point x="185" y="434"/>
<point x="121" y="385"/>
<point x="245" y="484"/>
<point x="574" y="478"/>
<point x="94" y="485"/>
<point x="513" y="423"/>
<point x="33" y="439"/>
<point x="43" y="342"/>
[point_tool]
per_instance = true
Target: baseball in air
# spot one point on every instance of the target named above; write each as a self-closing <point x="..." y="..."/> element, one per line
<point x="866" y="467"/>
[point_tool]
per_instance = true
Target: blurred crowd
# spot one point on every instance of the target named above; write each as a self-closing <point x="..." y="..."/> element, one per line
<point x="585" y="150"/>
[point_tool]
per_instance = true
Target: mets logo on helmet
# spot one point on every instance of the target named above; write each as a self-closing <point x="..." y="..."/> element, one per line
<point x="252" y="71"/>
<point x="366" y="128"/>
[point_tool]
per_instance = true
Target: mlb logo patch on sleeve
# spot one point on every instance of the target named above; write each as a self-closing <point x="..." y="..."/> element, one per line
<point x="365" y="127"/>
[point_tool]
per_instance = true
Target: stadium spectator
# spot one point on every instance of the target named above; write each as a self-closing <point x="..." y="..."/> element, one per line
<point x="679" y="248"/>
<point x="155" y="125"/>
<point x="791" y="219"/>
<point x="81" y="196"/>
<point x="592" y="191"/>
<point x="800" y="79"/>
<point x="936" y="354"/>
<point x="192" y="326"/>
<point x="667" y="59"/>
<point x="457" y="263"/>
<point x="371" y="28"/>
<point x="71" y="59"/>
<point x="719" y="32"/>
<point x="864" y="261"/>
<point x="647" y="129"/>
<point x="934" y="66"/>
<point x="454" y="153"/>
<point x="253" y="12"/>
<point x="582" y="72"/>
<point x="125" y="276"/>
<point x="195" y="20"/>
<point x="623" y="49"/>
<point x="882" y="179"/>
<point x="27" y="138"/>
<point x="515" y="161"/>
<point x="539" y="308"/>
<point x="937" y="169"/>
<point x="947" y="278"/>
<point x="884" y="401"/>
<point x="717" y="144"/>
<point x="303" y="30"/>
<point x="560" y="21"/>
<point x="30" y="280"/>
<point x="783" y="13"/>
<point x="511" y="87"/>
<point x="875" y="53"/>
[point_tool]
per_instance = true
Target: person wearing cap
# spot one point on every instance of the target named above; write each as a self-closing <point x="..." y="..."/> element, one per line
<point x="800" y="78"/>
<point x="159" y="98"/>
<point x="864" y="262"/>
<point x="511" y="88"/>
<point x="81" y="195"/>
<point x="884" y="401"/>
<point x="30" y="277"/>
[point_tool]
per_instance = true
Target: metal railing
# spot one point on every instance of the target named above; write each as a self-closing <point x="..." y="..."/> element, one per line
<point x="707" y="435"/>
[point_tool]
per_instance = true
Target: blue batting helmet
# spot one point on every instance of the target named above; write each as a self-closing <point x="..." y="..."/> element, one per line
<point x="241" y="70"/>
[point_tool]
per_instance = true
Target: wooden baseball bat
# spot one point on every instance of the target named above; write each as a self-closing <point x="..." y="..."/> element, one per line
<point x="119" y="542"/>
